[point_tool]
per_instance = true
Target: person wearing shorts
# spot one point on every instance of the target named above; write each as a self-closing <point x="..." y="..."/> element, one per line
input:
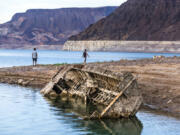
<point x="34" y="57"/>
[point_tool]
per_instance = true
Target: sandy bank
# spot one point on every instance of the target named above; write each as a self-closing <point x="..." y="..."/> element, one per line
<point x="158" y="79"/>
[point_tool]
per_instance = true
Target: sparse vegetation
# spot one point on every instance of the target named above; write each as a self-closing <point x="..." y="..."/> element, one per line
<point x="59" y="64"/>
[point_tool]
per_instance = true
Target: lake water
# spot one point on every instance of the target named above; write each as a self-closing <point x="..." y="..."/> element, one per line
<point x="10" y="58"/>
<point x="24" y="111"/>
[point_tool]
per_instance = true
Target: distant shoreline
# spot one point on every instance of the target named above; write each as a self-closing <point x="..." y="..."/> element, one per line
<point x="106" y="46"/>
<point x="29" y="47"/>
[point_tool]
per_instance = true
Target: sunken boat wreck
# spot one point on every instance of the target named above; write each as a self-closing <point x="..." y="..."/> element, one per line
<point x="117" y="92"/>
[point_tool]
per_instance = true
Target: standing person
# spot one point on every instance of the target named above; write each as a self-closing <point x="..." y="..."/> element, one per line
<point x="34" y="57"/>
<point x="85" y="54"/>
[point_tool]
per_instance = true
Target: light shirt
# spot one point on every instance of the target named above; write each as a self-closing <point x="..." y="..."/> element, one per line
<point x="34" y="55"/>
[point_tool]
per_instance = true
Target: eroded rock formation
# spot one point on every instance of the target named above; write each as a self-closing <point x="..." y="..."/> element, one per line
<point x="124" y="46"/>
<point x="157" y="20"/>
<point x="49" y="26"/>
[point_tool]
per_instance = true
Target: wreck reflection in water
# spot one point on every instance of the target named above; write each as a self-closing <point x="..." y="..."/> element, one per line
<point x="24" y="111"/>
<point x="64" y="106"/>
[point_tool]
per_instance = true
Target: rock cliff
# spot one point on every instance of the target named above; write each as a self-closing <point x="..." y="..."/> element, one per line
<point x="49" y="26"/>
<point x="157" y="20"/>
<point x="124" y="46"/>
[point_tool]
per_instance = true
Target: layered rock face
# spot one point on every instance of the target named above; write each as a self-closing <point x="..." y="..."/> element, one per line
<point x="157" y="20"/>
<point x="124" y="46"/>
<point x="49" y="26"/>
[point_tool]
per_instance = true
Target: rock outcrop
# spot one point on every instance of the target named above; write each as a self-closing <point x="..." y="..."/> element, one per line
<point x="124" y="46"/>
<point x="49" y="26"/>
<point x="157" y="20"/>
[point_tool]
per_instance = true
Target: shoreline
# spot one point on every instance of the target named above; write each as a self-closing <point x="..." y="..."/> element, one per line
<point x="171" y="47"/>
<point x="30" y="47"/>
<point x="158" y="79"/>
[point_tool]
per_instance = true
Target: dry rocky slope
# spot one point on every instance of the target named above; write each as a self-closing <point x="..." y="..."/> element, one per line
<point x="49" y="26"/>
<point x="154" y="20"/>
<point x="158" y="79"/>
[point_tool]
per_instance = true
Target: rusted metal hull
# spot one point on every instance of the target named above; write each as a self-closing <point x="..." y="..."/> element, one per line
<point x="118" y="92"/>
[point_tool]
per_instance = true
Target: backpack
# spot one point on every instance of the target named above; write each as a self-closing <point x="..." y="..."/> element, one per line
<point x="84" y="54"/>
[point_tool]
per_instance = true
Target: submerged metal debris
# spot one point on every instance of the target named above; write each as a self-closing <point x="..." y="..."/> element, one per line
<point x="118" y="92"/>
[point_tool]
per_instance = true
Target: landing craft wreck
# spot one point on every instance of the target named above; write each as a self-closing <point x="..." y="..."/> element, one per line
<point x="117" y="92"/>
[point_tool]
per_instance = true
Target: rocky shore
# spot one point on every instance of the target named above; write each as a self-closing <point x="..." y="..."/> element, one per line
<point x="158" y="79"/>
<point x="28" y="75"/>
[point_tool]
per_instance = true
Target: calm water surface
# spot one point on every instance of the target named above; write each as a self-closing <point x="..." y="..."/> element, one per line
<point x="23" y="111"/>
<point x="10" y="58"/>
